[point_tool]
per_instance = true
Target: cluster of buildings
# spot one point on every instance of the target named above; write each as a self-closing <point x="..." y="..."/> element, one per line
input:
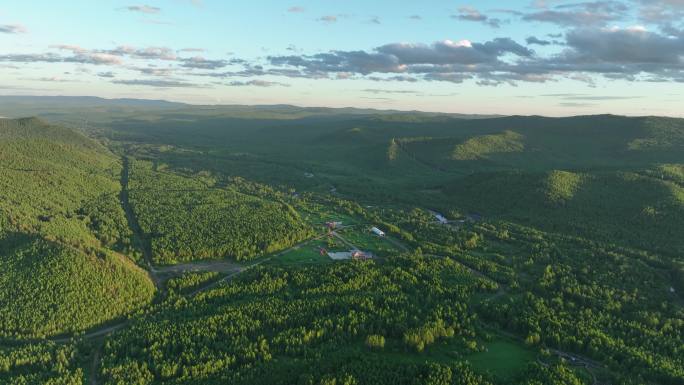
<point x="353" y="254"/>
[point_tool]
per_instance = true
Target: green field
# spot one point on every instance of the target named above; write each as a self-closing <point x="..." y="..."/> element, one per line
<point x="361" y="237"/>
<point x="502" y="358"/>
<point x="307" y="253"/>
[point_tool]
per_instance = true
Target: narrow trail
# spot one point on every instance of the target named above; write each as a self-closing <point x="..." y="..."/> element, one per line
<point x="94" y="365"/>
<point x="140" y="237"/>
<point x="397" y="244"/>
<point x="423" y="163"/>
<point x="198" y="267"/>
<point x="344" y="240"/>
<point x="95" y="333"/>
<point x="227" y="278"/>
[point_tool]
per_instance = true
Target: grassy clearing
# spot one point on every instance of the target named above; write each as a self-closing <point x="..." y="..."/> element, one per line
<point x="502" y="358"/>
<point x="308" y="253"/>
<point x="360" y="237"/>
<point x="321" y="214"/>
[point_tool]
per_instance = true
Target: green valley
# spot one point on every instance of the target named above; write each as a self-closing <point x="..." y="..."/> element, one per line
<point x="176" y="244"/>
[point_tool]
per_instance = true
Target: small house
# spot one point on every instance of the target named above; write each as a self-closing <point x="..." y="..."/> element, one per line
<point x="340" y="256"/>
<point x="359" y="255"/>
<point x="378" y="232"/>
<point x="441" y="219"/>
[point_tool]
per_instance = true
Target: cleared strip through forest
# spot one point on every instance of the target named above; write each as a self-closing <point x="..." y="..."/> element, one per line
<point x="142" y="239"/>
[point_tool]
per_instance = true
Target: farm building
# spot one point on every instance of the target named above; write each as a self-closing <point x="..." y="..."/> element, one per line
<point x="340" y="256"/>
<point x="333" y="225"/>
<point x="359" y="255"/>
<point x="377" y="232"/>
<point x="356" y="255"/>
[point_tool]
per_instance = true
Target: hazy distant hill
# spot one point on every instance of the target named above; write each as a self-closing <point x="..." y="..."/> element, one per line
<point x="81" y="101"/>
<point x="76" y="109"/>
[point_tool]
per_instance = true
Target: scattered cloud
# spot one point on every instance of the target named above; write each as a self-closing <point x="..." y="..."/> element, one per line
<point x="12" y="28"/>
<point x="143" y="9"/>
<point x="377" y="98"/>
<point x="53" y="79"/>
<point x="584" y="44"/>
<point x="631" y="54"/>
<point x="329" y="19"/>
<point x="192" y="50"/>
<point x="589" y="97"/>
<point x="199" y="62"/>
<point x="150" y="53"/>
<point x="582" y="14"/>
<point x="158" y="83"/>
<point x="507" y="11"/>
<point x="661" y="12"/>
<point x="154" y="71"/>
<point x="576" y="105"/>
<point x="382" y="91"/>
<point x="471" y="14"/>
<point x="116" y="54"/>
<point x="532" y="40"/>
<point x="82" y="58"/>
<point x="31" y="58"/>
<point x="626" y="46"/>
<point x="394" y="78"/>
<point x="69" y="47"/>
<point x="257" y="83"/>
<point x="441" y="57"/>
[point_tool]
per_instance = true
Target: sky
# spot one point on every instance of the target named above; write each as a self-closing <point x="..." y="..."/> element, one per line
<point x="544" y="57"/>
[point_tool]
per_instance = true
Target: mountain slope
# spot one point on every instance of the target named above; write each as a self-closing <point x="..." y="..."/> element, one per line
<point x="615" y="207"/>
<point x="59" y="217"/>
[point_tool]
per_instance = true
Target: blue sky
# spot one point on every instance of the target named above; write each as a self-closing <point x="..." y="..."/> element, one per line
<point x="527" y="57"/>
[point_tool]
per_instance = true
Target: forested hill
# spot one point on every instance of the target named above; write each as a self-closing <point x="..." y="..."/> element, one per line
<point x="61" y="228"/>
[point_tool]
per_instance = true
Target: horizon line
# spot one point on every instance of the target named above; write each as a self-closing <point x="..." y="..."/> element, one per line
<point x="386" y="110"/>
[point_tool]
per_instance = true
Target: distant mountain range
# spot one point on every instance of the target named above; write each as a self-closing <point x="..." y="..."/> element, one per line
<point x="45" y="106"/>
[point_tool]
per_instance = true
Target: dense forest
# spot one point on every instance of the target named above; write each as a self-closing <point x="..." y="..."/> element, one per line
<point x="167" y="246"/>
<point x="190" y="219"/>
